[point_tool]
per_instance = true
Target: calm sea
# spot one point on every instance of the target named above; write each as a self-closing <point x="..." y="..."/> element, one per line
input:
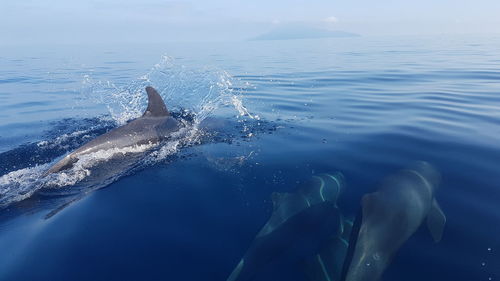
<point x="283" y="112"/>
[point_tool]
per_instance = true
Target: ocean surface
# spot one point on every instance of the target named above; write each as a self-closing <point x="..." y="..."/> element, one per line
<point x="265" y="116"/>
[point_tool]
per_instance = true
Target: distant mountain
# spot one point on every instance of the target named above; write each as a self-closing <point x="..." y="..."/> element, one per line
<point x="289" y="32"/>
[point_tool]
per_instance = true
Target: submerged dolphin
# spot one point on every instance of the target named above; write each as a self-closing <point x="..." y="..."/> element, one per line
<point x="390" y="216"/>
<point x="305" y="231"/>
<point x="153" y="126"/>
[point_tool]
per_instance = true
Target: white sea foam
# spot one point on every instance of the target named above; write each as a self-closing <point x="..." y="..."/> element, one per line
<point x="83" y="167"/>
<point x="20" y="184"/>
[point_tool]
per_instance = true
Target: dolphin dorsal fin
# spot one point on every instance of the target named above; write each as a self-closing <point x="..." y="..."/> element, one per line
<point x="156" y="106"/>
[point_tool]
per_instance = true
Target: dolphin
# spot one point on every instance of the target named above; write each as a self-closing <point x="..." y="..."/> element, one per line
<point x="154" y="126"/>
<point x="390" y="216"/>
<point x="306" y="231"/>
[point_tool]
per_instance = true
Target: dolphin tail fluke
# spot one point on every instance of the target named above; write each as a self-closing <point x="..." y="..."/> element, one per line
<point x="436" y="221"/>
<point x="156" y="106"/>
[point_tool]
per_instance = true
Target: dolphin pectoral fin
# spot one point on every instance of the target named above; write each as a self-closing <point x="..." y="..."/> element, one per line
<point x="327" y="264"/>
<point x="436" y="221"/>
<point x="63" y="206"/>
<point x="236" y="272"/>
<point x="317" y="270"/>
<point x="353" y="238"/>
<point x="156" y="106"/>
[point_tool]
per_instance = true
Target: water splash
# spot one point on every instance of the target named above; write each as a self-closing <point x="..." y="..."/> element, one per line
<point x="20" y="184"/>
<point x="199" y="91"/>
<point x="191" y="94"/>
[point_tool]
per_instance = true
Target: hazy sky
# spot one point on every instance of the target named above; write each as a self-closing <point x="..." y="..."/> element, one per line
<point x="64" y="21"/>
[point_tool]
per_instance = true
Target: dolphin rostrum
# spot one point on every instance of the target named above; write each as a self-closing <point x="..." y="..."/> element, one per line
<point x="155" y="125"/>
<point x="305" y="232"/>
<point x="390" y="216"/>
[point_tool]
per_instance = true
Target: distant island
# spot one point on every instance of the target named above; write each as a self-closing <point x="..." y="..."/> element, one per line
<point x="290" y="32"/>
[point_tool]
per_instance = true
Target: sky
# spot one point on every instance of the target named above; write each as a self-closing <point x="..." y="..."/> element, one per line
<point x="63" y="21"/>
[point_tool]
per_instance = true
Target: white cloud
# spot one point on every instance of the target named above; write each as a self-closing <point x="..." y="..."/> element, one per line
<point x="331" y="19"/>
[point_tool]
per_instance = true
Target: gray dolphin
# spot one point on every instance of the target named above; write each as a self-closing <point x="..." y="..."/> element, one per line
<point x="305" y="232"/>
<point x="390" y="216"/>
<point x="155" y="125"/>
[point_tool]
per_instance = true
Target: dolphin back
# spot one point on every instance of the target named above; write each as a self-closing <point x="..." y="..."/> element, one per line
<point x="154" y="125"/>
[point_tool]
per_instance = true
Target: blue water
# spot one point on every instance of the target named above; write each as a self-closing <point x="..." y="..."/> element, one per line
<point x="283" y="112"/>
